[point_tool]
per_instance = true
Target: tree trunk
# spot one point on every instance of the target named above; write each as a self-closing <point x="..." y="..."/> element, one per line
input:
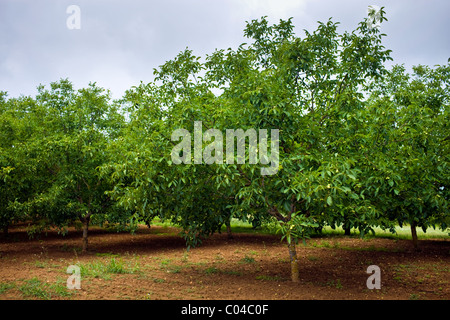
<point x="85" y="234"/>
<point x="414" y="234"/>
<point x="294" y="262"/>
<point x="5" y="230"/>
<point x="347" y="231"/>
<point x="228" y="225"/>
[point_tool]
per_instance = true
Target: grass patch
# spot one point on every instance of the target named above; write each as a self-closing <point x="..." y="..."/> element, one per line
<point x="5" y="286"/>
<point x="37" y="289"/>
<point x="103" y="270"/>
<point x="401" y="233"/>
<point x="238" y="226"/>
<point x="247" y="259"/>
<point x="166" y="264"/>
<point x="414" y="296"/>
<point x="211" y="270"/>
<point x="40" y="264"/>
<point x="157" y="222"/>
<point x="106" y="254"/>
<point x="326" y="244"/>
<point x="269" y="278"/>
<point x="174" y="269"/>
<point x="232" y="272"/>
<point x="335" y="283"/>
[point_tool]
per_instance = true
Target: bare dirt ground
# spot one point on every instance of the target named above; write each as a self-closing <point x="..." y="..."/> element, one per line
<point x="154" y="264"/>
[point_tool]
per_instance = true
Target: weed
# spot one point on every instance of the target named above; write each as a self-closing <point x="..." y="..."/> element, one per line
<point x="232" y="272"/>
<point x="40" y="264"/>
<point x="211" y="270"/>
<point x="185" y="257"/>
<point x="95" y="270"/>
<point x="166" y="265"/>
<point x="6" y="286"/>
<point x="247" y="259"/>
<point x="414" y="296"/>
<point x="336" y="284"/>
<point x="35" y="288"/>
<point x="165" y="262"/>
<point x="325" y="244"/>
<point x="106" y="254"/>
<point x="174" y="269"/>
<point x="104" y="270"/>
<point x="313" y="258"/>
<point x="219" y="257"/>
<point x="116" y="266"/>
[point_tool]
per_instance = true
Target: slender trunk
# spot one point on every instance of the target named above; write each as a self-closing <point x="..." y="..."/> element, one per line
<point x="294" y="262"/>
<point x="228" y="225"/>
<point x="414" y="234"/>
<point x="5" y="230"/>
<point x="85" y="234"/>
<point x="295" y="275"/>
<point x="347" y="231"/>
<point x="292" y="250"/>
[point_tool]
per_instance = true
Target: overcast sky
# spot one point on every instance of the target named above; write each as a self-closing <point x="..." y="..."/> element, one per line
<point x="120" y="42"/>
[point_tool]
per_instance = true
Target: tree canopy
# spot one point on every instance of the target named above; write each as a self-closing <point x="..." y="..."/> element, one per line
<point x="331" y="137"/>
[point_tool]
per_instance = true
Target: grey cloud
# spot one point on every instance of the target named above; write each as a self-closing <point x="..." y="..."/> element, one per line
<point x="120" y="42"/>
